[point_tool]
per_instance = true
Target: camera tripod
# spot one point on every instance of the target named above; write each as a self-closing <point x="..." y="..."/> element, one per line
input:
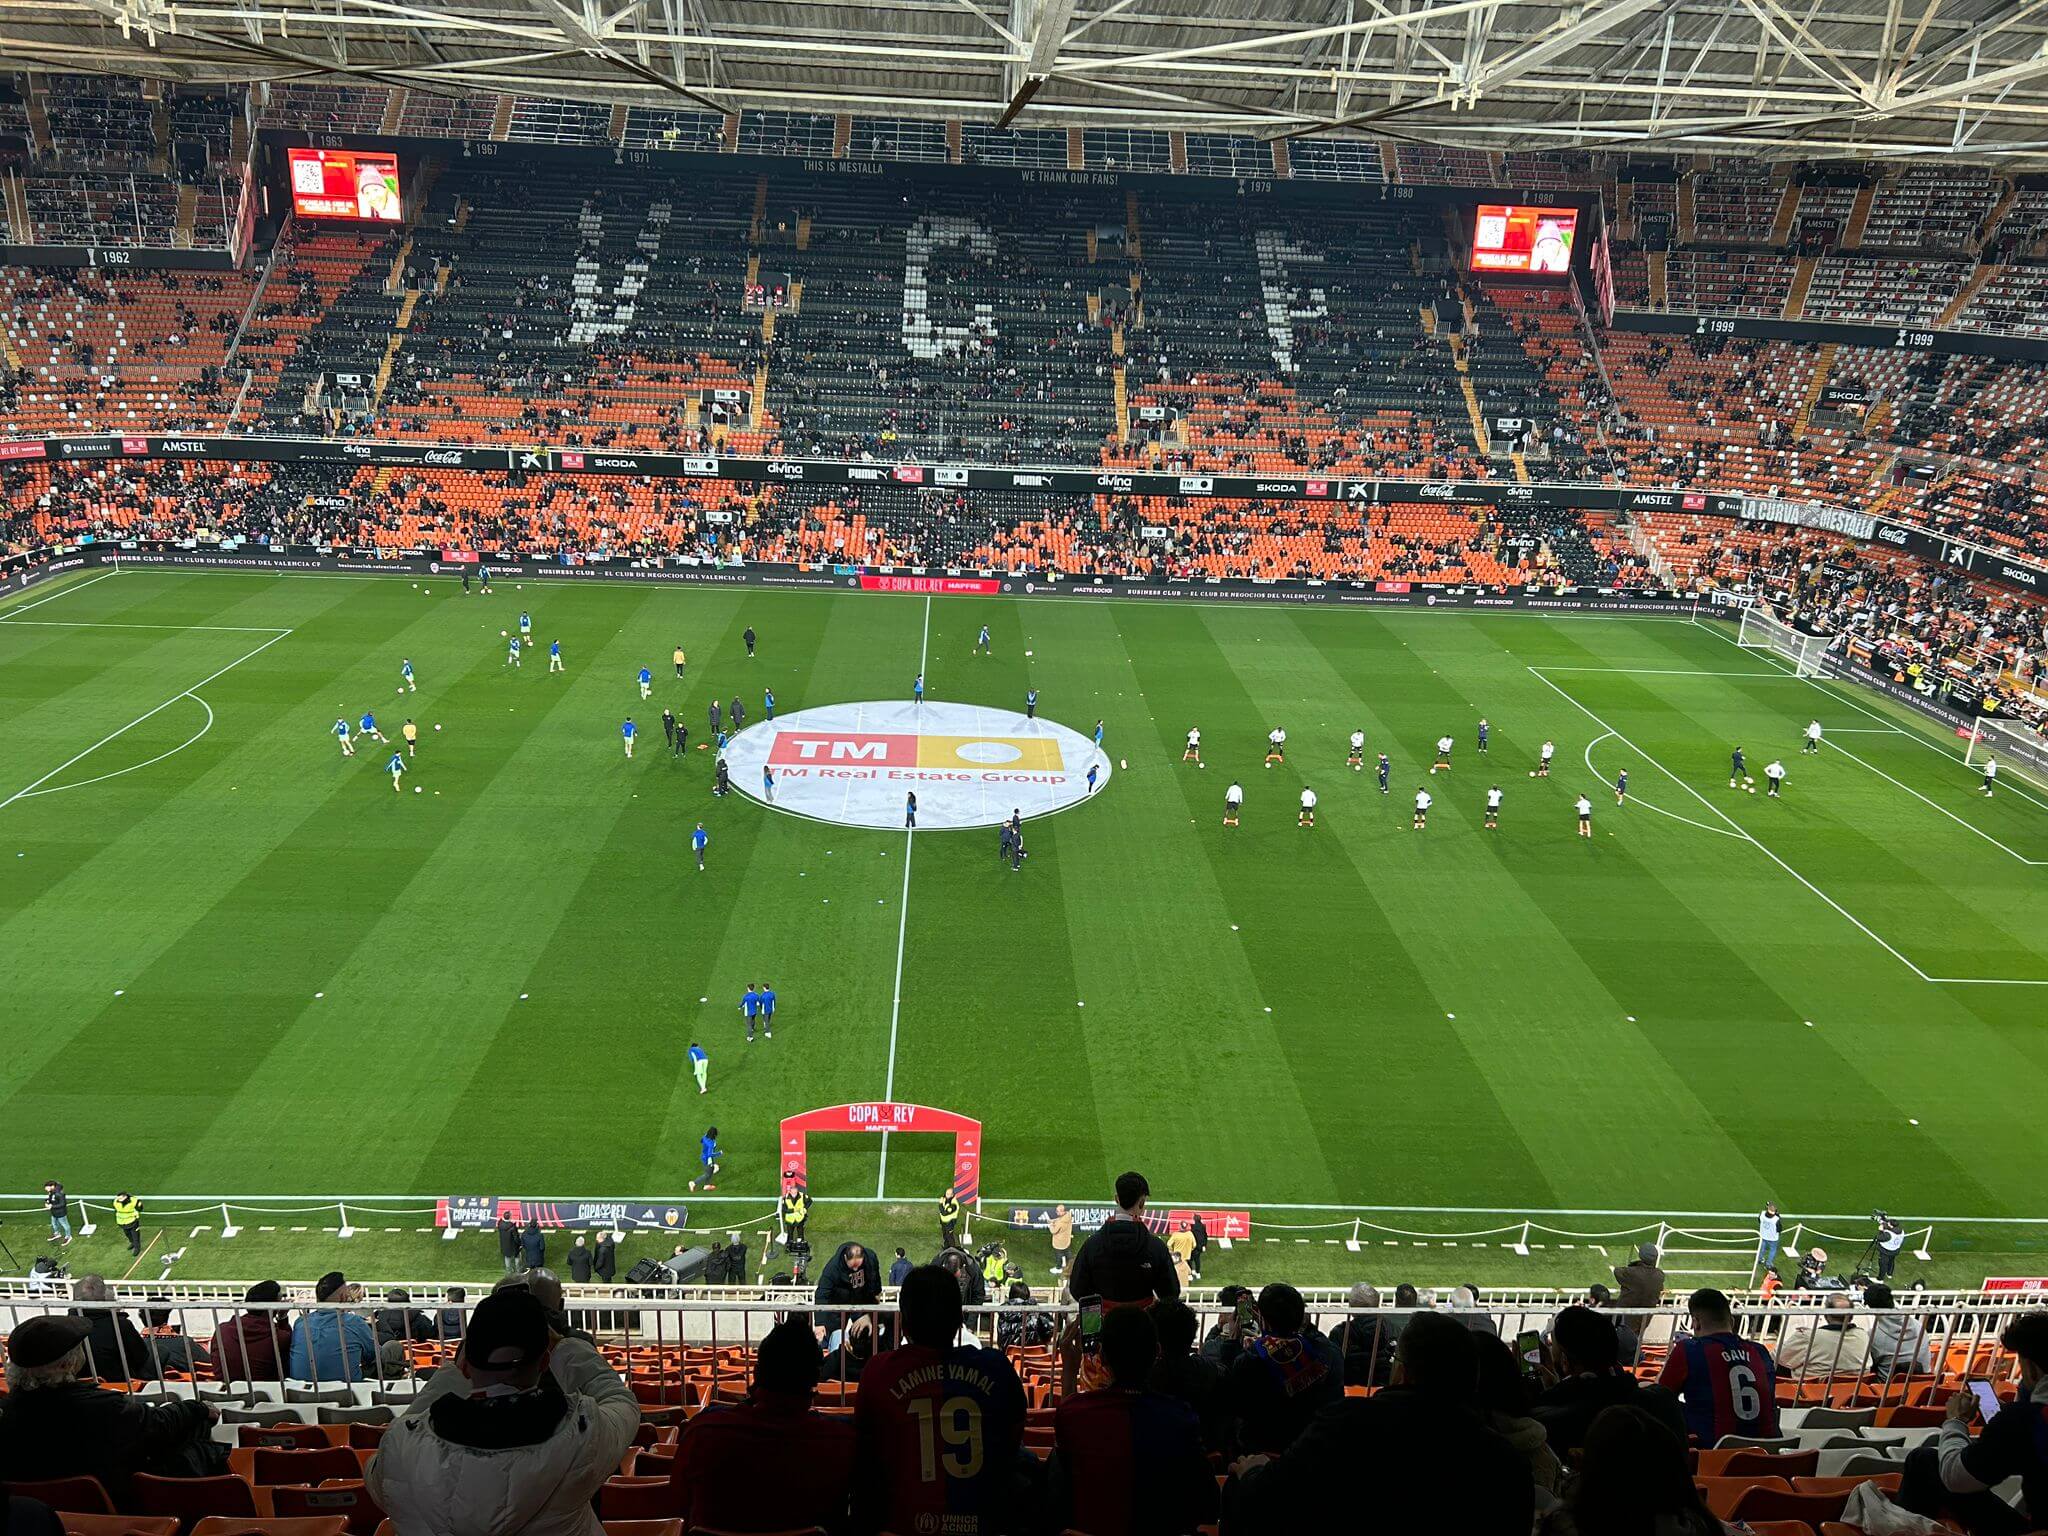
<point x="12" y="1261"/>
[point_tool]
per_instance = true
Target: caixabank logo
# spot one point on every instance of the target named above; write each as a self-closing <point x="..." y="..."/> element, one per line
<point x="858" y="764"/>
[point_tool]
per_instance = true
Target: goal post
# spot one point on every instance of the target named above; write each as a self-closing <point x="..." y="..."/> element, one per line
<point x="1762" y="630"/>
<point x="2020" y="750"/>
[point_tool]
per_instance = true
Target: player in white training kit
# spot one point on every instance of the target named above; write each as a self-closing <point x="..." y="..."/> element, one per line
<point x="1991" y="775"/>
<point x="1194" y="747"/>
<point x="1308" y="806"/>
<point x="1443" y="755"/>
<point x="1774" y="771"/>
<point x="1276" y="746"/>
<point x="1233" y="802"/>
<point x="1493" y="808"/>
<point x="1812" y="743"/>
<point x="1543" y="761"/>
<point x="1422" y="805"/>
<point x="1357" y="758"/>
<point x="1585" y="810"/>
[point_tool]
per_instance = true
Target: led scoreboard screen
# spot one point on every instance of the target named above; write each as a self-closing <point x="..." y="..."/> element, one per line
<point x="1511" y="237"/>
<point x="356" y="184"/>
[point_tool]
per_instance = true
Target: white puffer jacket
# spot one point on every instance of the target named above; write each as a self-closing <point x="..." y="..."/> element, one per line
<point x="431" y="1487"/>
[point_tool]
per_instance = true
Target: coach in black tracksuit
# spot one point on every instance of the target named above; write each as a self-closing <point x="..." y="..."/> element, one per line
<point x="508" y="1243"/>
<point x="668" y="728"/>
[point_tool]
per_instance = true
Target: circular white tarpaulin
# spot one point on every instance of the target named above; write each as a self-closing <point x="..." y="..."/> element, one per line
<point x="970" y="766"/>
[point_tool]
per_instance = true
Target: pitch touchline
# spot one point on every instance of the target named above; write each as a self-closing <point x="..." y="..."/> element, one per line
<point x="902" y="932"/>
<point x="231" y="629"/>
<point x="191" y="692"/>
<point x="1249" y="605"/>
<point x="76" y="586"/>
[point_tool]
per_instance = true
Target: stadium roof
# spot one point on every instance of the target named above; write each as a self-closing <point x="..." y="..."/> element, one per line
<point x="1801" y="78"/>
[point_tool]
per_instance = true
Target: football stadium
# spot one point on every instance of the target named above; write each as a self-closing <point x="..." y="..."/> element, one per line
<point x="1481" y="568"/>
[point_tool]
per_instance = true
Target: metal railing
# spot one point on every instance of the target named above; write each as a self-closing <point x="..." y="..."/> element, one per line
<point x="681" y="1346"/>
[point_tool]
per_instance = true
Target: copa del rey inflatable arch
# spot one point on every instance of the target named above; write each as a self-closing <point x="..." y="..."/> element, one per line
<point x="909" y="1118"/>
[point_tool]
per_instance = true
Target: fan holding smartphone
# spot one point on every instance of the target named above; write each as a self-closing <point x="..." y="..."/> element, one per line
<point x="1959" y="1472"/>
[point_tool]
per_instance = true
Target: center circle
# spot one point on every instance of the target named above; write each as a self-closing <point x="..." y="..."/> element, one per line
<point x="968" y="764"/>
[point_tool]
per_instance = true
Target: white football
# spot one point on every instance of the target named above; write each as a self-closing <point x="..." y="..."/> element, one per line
<point x="437" y="726"/>
<point x="1750" y="787"/>
<point x="1121" y="763"/>
<point x="415" y="789"/>
<point x="501" y="634"/>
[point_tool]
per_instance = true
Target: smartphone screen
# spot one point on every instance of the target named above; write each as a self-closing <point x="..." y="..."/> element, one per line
<point x="1529" y="1345"/>
<point x="1091" y="1326"/>
<point x="1247" y="1318"/>
<point x="1987" y="1400"/>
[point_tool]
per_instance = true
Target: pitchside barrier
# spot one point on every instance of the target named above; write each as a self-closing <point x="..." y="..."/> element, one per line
<point x="681" y="1350"/>
<point x="1701" y="1247"/>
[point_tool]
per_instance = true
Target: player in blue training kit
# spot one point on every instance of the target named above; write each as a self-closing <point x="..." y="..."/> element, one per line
<point x="768" y="783"/>
<point x="707" y="1155"/>
<point x="405" y="674"/>
<point x="646" y="683"/>
<point x="1030" y="703"/>
<point x="396" y="767"/>
<point x="1091" y="778"/>
<point x="555" y="656"/>
<point x="768" y="702"/>
<point x="526" y="626"/>
<point x="348" y="748"/>
<point x="917" y="687"/>
<point x="1098" y="735"/>
<point x="768" y="1010"/>
<point x="1482" y="733"/>
<point x="1621" y="786"/>
<point x="700" y="840"/>
<point x="1735" y="768"/>
<point x="981" y="643"/>
<point x="629" y="730"/>
<point x="512" y="653"/>
<point x="910" y="810"/>
<point x="1383" y="768"/>
<point x="750" y="1005"/>
<point x="700" y="1066"/>
<point x="367" y="726"/>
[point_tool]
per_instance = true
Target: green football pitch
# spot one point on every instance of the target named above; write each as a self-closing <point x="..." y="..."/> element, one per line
<point x="233" y="962"/>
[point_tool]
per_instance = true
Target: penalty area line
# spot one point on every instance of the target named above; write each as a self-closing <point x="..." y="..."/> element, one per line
<point x="1745" y="835"/>
<point x="192" y="692"/>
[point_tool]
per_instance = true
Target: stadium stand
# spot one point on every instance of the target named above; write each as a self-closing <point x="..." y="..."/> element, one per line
<point x="683" y="1384"/>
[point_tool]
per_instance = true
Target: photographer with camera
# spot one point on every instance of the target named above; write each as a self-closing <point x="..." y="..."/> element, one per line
<point x="1891" y="1237"/>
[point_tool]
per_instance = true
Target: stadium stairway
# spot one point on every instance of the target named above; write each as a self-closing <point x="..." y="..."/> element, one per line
<point x="1788" y="209"/>
<point x="1859" y="217"/>
<point x="1824" y="363"/>
<point x="1802" y="279"/>
<point x="1985" y="272"/>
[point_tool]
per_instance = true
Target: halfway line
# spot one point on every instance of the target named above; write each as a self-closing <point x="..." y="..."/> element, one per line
<point x="902" y="932"/>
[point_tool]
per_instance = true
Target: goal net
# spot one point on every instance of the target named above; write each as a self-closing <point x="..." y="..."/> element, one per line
<point x="1763" y="631"/>
<point x="2021" y="750"/>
